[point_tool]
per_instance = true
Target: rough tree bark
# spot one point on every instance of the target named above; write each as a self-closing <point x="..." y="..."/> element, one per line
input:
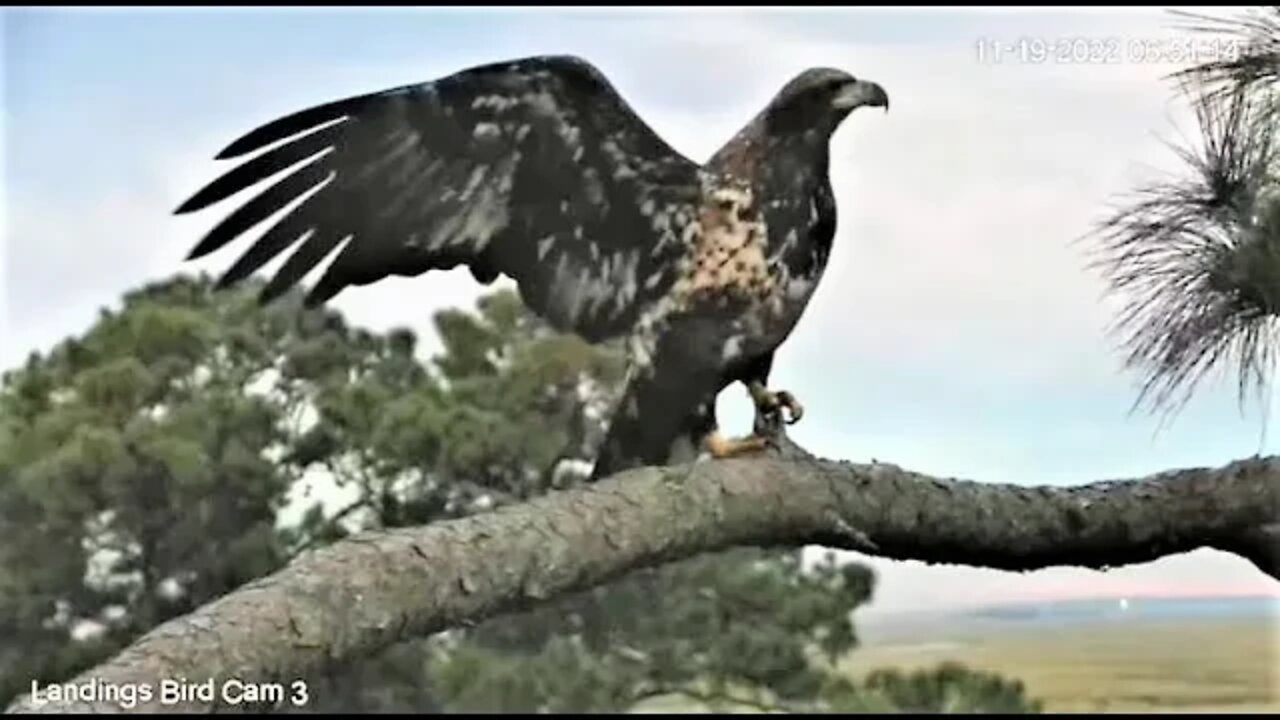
<point x="364" y="593"/>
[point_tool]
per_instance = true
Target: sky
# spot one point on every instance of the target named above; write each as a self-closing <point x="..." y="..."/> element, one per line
<point x="958" y="330"/>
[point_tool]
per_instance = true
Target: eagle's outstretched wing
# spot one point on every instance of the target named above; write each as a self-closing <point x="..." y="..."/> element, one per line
<point x="534" y="168"/>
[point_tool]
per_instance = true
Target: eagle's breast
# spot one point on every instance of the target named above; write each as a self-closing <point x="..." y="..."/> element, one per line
<point x="739" y="286"/>
<point x="727" y="250"/>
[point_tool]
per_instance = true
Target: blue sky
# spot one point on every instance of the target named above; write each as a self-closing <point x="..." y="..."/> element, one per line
<point x="957" y="331"/>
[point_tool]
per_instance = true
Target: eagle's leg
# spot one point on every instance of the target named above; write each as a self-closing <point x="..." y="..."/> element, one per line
<point x="722" y="447"/>
<point x="769" y="402"/>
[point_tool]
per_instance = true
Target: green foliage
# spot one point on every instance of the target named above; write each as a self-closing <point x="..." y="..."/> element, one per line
<point x="950" y="688"/>
<point x="136" y="483"/>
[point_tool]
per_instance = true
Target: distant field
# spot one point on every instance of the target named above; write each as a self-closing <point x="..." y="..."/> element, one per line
<point x="1161" y="664"/>
<point x="1204" y="658"/>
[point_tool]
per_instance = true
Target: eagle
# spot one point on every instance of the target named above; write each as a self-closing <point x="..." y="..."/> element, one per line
<point x="538" y="169"/>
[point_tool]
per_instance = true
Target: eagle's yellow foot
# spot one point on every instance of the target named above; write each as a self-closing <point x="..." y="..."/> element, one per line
<point x="769" y="402"/>
<point x="722" y="447"/>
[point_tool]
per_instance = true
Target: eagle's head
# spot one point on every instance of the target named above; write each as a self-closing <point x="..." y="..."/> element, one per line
<point x="817" y="100"/>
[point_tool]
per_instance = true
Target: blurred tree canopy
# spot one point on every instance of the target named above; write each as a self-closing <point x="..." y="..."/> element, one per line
<point x="163" y="458"/>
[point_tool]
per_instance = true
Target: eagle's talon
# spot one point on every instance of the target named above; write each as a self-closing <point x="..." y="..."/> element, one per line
<point x="780" y="404"/>
<point x="794" y="409"/>
<point x="766" y="402"/>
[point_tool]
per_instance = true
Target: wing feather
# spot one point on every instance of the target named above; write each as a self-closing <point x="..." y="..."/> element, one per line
<point x="258" y="209"/>
<point x="274" y="241"/>
<point x="261" y="167"/>
<point x="292" y="124"/>
<point x="537" y="169"/>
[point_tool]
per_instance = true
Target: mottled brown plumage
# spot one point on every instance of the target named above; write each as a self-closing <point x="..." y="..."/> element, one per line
<point x="728" y="249"/>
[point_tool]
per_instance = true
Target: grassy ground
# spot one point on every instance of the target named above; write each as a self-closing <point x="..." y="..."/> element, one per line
<point x="1226" y="665"/>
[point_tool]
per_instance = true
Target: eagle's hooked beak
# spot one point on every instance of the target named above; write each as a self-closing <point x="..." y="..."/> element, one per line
<point x="859" y="93"/>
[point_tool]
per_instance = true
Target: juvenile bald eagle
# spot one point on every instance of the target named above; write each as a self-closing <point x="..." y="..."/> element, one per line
<point x="538" y="169"/>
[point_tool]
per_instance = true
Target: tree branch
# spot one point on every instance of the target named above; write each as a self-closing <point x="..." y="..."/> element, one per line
<point x="364" y="593"/>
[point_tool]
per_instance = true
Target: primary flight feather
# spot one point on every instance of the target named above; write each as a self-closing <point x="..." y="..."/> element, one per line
<point x="539" y="170"/>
